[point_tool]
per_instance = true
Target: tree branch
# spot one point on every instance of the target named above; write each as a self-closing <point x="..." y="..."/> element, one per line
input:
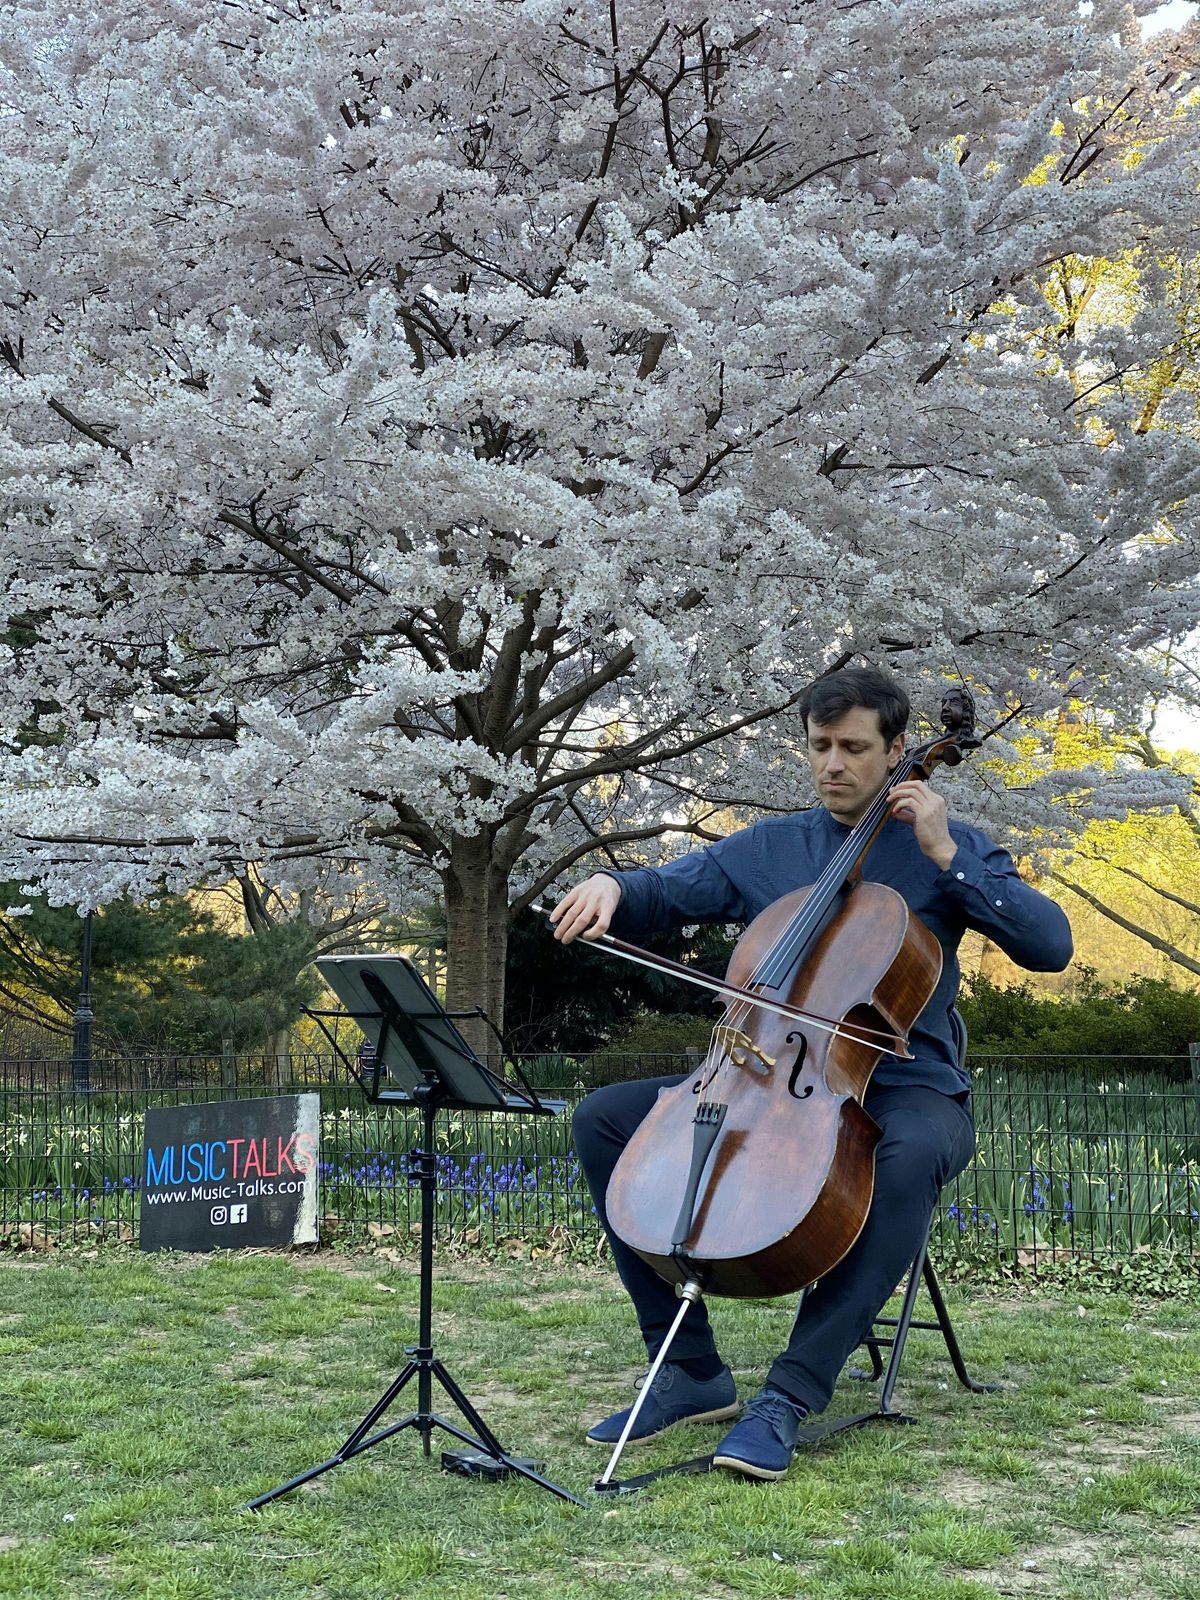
<point x="89" y="430"/>
<point x="1172" y="952"/>
<point x="1164" y="894"/>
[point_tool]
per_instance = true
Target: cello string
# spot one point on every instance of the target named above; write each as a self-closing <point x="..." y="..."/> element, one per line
<point x="740" y="1013"/>
<point x="804" y="923"/>
<point x="742" y="1006"/>
<point x="793" y="938"/>
<point x="808" y="917"/>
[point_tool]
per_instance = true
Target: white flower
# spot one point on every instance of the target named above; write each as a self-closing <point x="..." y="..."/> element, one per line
<point x="447" y="473"/>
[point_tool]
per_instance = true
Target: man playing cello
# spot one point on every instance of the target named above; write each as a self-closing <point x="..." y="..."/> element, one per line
<point x="953" y="878"/>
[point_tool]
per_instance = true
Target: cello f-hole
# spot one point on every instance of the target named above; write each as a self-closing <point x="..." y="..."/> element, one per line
<point x="798" y="1067"/>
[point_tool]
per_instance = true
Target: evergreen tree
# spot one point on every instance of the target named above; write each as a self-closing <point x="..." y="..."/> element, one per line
<point x="166" y="977"/>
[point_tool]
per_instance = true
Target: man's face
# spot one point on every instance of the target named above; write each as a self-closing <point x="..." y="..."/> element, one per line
<point x="850" y="761"/>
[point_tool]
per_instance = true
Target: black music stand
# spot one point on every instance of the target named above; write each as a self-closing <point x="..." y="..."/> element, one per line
<point x="421" y="1059"/>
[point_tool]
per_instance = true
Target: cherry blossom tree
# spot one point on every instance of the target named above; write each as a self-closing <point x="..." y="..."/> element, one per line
<point x="439" y="442"/>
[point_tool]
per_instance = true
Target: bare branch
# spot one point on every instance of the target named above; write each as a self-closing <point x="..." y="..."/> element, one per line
<point x="1172" y="952"/>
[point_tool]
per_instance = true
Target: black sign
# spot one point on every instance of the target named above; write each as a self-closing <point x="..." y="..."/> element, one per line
<point x="230" y="1174"/>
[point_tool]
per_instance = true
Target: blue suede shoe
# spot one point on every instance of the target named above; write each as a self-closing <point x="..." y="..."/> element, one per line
<point x="673" y="1398"/>
<point x="761" y="1444"/>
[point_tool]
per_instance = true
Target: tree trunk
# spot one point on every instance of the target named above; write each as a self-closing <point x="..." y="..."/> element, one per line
<point x="477" y="922"/>
<point x="277" y="1058"/>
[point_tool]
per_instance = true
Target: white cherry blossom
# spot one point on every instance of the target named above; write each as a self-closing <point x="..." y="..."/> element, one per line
<point x="438" y="442"/>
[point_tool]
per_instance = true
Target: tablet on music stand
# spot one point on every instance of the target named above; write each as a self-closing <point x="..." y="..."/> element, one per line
<point x="415" y="1041"/>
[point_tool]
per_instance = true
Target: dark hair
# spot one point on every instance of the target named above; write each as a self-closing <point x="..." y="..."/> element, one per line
<point x="828" y="699"/>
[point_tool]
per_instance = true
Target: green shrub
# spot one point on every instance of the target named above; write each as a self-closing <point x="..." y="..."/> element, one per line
<point x="1144" y="1017"/>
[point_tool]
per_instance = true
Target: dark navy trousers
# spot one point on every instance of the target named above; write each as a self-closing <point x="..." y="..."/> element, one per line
<point x="928" y="1137"/>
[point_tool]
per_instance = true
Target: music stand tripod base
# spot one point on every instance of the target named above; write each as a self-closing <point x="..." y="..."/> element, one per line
<point x="478" y="1464"/>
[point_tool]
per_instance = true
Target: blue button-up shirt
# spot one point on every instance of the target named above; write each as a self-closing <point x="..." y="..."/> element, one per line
<point x="739" y="876"/>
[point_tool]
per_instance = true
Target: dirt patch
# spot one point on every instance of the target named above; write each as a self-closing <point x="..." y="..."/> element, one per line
<point x="1110" y="1452"/>
<point x="246" y="1356"/>
<point x="1038" y="1569"/>
<point x="1003" y="1302"/>
<point x="596" y="1382"/>
<point x="551" y="1298"/>
<point x="1067" y="1465"/>
<point x="637" y="1574"/>
<point x="969" y="1492"/>
<point x="1086" y="1463"/>
<point x="484" y="1391"/>
<point x="365" y="1265"/>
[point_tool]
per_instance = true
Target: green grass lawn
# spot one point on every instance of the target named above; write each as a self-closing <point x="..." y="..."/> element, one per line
<point x="145" y="1399"/>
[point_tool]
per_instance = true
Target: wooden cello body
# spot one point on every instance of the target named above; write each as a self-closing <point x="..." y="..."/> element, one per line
<point x="790" y="1175"/>
<point x="755" y="1175"/>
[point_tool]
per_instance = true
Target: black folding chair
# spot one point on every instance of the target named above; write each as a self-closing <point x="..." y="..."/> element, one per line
<point x="875" y="1342"/>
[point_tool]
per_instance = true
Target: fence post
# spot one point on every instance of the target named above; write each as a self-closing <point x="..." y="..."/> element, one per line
<point x="228" y="1072"/>
<point x="81" y="1047"/>
<point x="1194" y="1063"/>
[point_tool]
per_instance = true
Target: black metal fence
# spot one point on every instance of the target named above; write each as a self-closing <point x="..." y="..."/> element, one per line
<point x="1098" y="1157"/>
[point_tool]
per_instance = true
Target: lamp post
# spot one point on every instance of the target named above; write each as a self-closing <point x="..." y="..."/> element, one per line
<point x="81" y="1049"/>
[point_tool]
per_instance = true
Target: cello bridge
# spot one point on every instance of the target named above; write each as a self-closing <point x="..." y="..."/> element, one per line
<point x="739" y="1046"/>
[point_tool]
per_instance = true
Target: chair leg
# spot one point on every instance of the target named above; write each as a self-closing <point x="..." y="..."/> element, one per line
<point x="903" y="1324"/>
<point x="922" y="1271"/>
<point x="948" y="1334"/>
<point x="884" y="1411"/>
<point x="875" y="1351"/>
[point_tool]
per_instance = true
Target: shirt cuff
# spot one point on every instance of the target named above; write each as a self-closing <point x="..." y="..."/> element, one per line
<point x="966" y="869"/>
